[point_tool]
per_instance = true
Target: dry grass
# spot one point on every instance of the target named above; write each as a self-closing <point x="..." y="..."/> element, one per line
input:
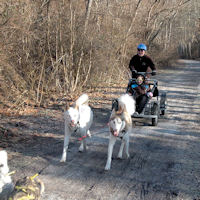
<point x="50" y="52"/>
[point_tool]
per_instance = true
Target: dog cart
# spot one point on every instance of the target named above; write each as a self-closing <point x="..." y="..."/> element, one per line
<point x="156" y="105"/>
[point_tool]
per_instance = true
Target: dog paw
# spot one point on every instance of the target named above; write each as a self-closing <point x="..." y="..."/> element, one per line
<point x="62" y="160"/>
<point x="89" y="134"/>
<point x="80" y="149"/>
<point x="119" y="157"/>
<point x="127" y="156"/>
<point x="107" y="167"/>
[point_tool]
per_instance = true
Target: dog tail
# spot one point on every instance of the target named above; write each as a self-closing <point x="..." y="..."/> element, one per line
<point x="83" y="99"/>
<point x="129" y="102"/>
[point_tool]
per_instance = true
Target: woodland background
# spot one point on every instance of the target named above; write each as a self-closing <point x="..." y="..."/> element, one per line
<point x="53" y="49"/>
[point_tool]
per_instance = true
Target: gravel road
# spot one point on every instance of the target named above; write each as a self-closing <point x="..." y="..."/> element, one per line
<point x="165" y="159"/>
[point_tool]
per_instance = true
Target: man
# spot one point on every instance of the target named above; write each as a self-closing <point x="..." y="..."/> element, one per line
<point x="141" y="62"/>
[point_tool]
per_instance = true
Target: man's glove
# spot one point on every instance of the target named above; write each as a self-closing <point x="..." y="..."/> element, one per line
<point x="134" y="73"/>
<point x="153" y="73"/>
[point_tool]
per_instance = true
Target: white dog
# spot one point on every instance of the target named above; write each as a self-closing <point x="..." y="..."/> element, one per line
<point x="120" y="125"/>
<point x="78" y="119"/>
<point x="6" y="185"/>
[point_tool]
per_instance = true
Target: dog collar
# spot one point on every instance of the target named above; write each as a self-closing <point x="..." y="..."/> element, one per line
<point x="76" y="127"/>
<point x="123" y="126"/>
<point x="123" y="131"/>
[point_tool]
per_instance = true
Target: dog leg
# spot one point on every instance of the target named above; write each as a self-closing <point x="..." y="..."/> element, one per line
<point x="65" y="148"/>
<point x="83" y="146"/>
<point x="112" y="141"/>
<point x="121" y="149"/>
<point x="66" y="144"/>
<point x="88" y="133"/>
<point x="127" y="147"/>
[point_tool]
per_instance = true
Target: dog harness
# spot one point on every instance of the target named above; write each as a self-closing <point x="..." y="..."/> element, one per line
<point x="76" y="129"/>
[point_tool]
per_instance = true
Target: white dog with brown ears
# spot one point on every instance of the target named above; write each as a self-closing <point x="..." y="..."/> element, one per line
<point x="78" y="119"/>
<point x="120" y="125"/>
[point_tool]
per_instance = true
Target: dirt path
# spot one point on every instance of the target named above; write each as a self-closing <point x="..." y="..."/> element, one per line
<point x="165" y="160"/>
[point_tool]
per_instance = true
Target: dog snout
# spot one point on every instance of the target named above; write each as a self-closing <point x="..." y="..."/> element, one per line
<point x="72" y="123"/>
<point x="114" y="132"/>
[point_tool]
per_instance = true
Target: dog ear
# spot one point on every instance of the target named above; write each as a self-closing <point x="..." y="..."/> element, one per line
<point x="120" y="109"/>
<point x="111" y="118"/>
<point x="86" y="102"/>
<point x="76" y="107"/>
<point x="115" y="104"/>
<point x="67" y="106"/>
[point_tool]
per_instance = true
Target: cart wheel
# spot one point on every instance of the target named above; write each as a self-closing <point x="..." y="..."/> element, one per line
<point x="154" y="121"/>
<point x="155" y="111"/>
<point x="162" y="112"/>
<point x="163" y="98"/>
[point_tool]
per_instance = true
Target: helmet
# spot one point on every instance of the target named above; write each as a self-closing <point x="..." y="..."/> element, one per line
<point x="142" y="46"/>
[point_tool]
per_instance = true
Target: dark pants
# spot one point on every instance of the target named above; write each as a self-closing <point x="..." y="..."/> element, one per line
<point x="141" y="102"/>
